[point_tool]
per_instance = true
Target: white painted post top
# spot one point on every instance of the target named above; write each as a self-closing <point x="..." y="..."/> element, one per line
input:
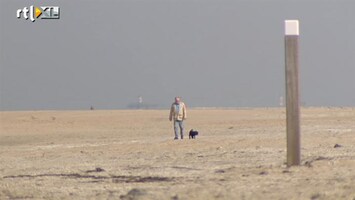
<point x="291" y="27"/>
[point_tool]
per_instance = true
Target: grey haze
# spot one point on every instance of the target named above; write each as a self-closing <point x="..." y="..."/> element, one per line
<point x="218" y="53"/>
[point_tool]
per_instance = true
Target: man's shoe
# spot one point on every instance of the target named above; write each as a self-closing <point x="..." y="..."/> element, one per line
<point x="176" y="138"/>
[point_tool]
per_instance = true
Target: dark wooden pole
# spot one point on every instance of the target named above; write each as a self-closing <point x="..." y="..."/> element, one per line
<point x="292" y="93"/>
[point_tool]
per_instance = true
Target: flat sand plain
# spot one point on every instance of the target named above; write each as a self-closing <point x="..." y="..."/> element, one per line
<point x="131" y="154"/>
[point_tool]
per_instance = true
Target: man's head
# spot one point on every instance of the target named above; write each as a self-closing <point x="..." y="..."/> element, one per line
<point x="177" y="99"/>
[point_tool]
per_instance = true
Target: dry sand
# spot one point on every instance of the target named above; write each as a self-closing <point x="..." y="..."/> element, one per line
<point x="131" y="154"/>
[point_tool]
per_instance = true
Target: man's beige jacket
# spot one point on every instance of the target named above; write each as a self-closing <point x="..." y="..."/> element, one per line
<point x="178" y="114"/>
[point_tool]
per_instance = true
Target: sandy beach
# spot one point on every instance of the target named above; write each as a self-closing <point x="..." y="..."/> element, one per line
<point x="131" y="154"/>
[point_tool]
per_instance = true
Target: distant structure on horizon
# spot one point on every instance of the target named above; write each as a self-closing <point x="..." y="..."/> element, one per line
<point x="141" y="105"/>
<point x="282" y="101"/>
<point x="140" y="101"/>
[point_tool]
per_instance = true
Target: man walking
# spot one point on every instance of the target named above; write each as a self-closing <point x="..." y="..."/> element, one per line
<point x="178" y="114"/>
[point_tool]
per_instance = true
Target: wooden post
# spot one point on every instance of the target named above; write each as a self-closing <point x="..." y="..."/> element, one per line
<point x="292" y="93"/>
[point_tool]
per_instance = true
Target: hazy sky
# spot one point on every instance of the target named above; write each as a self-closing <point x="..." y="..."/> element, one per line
<point x="212" y="53"/>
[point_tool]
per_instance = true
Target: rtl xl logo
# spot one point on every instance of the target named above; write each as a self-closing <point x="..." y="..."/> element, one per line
<point x="42" y="12"/>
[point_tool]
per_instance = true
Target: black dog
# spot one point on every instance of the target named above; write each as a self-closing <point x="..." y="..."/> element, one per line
<point x="193" y="134"/>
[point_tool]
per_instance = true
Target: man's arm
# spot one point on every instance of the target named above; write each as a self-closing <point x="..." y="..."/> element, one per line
<point x="171" y="113"/>
<point x="184" y="112"/>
